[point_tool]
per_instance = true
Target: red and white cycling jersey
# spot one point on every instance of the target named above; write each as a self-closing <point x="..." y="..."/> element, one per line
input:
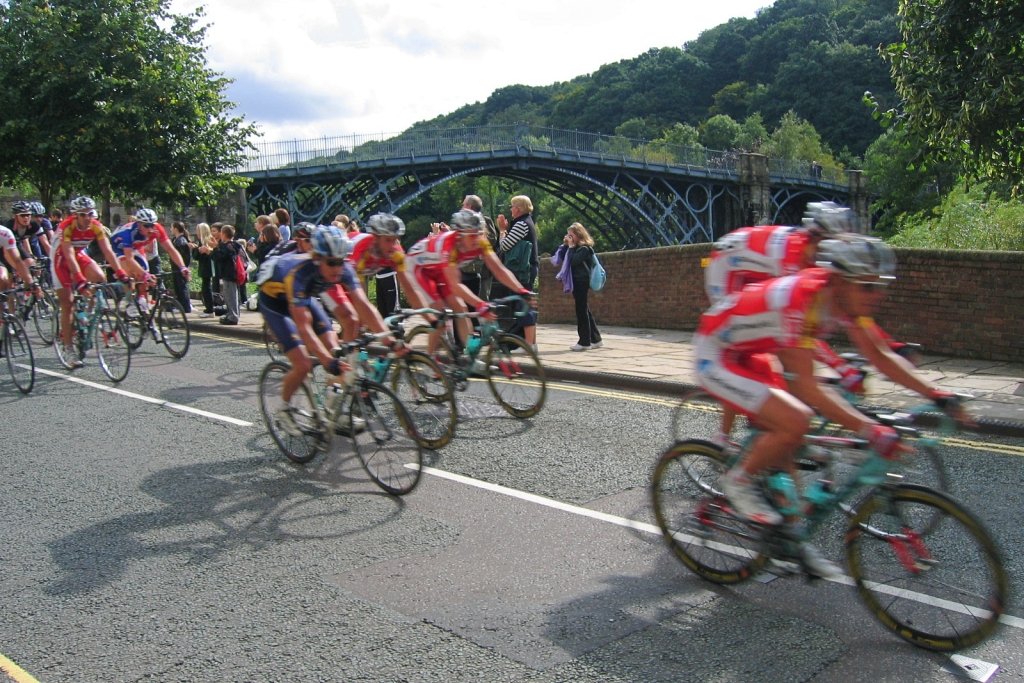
<point x="754" y="254"/>
<point x="7" y="240"/>
<point x="367" y="261"/>
<point x="68" y="231"/>
<point x="433" y="254"/>
<point x="737" y="336"/>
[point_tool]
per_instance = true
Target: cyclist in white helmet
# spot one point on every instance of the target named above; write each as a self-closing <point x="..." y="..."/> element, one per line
<point x="742" y="340"/>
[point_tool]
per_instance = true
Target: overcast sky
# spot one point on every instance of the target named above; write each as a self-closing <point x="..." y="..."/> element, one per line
<point x="313" y="68"/>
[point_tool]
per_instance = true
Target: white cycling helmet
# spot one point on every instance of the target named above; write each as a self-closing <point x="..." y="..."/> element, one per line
<point x="385" y="224"/>
<point x="858" y="257"/>
<point x="467" y="221"/>
<point x="82" y="204"/>
<point x="330" y="241"/>
<point x="146" y="216"/>
<point x="828" y="219"/>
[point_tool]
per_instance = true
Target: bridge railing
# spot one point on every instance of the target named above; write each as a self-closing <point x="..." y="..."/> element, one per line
<point x="427" y="143"/>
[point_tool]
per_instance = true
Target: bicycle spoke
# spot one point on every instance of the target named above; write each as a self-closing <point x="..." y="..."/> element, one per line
<point x="385" y="443"/>
<point x="18" y="355"/>
<point x="172" y="326"/>
<point x="515" y="375"/>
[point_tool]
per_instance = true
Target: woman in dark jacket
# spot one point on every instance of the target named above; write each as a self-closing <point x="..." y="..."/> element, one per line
<point x="575" y="256"/>
<point x="201" y="250"/>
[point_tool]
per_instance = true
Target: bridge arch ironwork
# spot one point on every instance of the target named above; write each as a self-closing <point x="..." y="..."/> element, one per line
<point x="635" y="193"/>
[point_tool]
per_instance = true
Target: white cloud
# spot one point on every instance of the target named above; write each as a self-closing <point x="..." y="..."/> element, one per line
<point x="309" y="68"/>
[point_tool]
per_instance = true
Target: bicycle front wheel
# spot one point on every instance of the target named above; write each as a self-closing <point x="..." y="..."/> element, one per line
<point x="696" y="520"/>
<point x="944" y="591"/>
<point x="384" y="438"/>
<point x="134" y="321"/>
<point x="426" y="391"/>
<point x="173" y="327"/>
<point x="519" y="392"/>
<point x="111" y="342"/>
<point x="311" y="437"/>
<point x="18" y="353"/>
<point x="45" y="316"/>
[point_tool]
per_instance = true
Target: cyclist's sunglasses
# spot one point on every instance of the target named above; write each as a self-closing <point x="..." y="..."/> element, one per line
<point x="23" y="215"/>
<point x="334" y="262"/>
<point x="146" y="225"/>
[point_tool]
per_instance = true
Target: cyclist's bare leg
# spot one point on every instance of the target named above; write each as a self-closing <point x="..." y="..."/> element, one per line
<point x="301" y="367"/>
<point x="132" y="267"/>
<point x="728" y="420"/>
<point x="784" y="420"/>
<point x="463" y="327"/>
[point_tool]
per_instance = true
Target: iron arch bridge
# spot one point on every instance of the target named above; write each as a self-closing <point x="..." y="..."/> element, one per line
<point x="636" y="194"/>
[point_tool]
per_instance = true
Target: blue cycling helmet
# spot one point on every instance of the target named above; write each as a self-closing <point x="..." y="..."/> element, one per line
<point x="330" y="241"/>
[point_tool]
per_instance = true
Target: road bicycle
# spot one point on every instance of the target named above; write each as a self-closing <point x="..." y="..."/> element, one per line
<point x="511" y="367"/>
<point x="923" y="564"/>
<point x="96" y="324"/>
<point x="165" y="320"/>
<point x="378" y="424"/>
<point x="15" y="346"/>
<point x="40" y="305"/>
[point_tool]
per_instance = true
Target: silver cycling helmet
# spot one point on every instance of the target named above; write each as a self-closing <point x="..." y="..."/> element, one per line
<point x="21" y="207"/>
<point x="467" y="221"/>
<point x="858" y="257"/>
<point x="828" y="219"/>
<point x="385" y="224"/>
<point x="38" y="209"/>
<point x="82" y="204"/>
<point x="144" y="215"/>
<point x="330" y="241"/>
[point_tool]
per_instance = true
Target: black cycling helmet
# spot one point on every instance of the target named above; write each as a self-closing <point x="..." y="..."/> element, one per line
<point x="21" y="207"/>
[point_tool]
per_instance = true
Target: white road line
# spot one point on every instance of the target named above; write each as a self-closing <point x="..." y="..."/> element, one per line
<point x="148" y="399"/>
<point x="1007" y="619"/>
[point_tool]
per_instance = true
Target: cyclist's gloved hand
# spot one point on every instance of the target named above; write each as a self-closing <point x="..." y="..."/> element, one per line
<point x="336" y="367"/>
<point x="185" y="273"/>
<point x="944" y="400"/>
<point x="150" y="279"/>
<point x="80" y="282"/>
<point x="852" y="379"/>
<point x="121" y="275"/>
<point x="484" y="310"/>
<point x="883" y="440"/>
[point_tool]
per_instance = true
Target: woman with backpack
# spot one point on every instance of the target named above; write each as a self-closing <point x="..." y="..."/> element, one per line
<point x="575" y="256"/>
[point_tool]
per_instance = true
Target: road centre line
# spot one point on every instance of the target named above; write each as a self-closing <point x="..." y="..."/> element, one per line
<point x="1006" y="619"/>
<point x="148" y="399"/>
<point x="18" y="674"/>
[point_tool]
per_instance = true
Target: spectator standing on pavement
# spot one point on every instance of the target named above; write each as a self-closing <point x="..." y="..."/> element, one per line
<point x="284" y="223"/>
<point x="474" y="274"/>
<point x="179" y="238"/>
<point x="201" y="250"/>
<point x="269" y="237"/>
<point x="574" y="257"/>
<point x="224" y="263"/>
<point x="521" y="228"/>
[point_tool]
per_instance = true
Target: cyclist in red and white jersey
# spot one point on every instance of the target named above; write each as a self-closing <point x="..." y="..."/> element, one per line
<point x="9" y="252"/>
<point x="71" y="265"/>
<point x="743" y="339"/>
<point x="379" y="248"/>
<point x="436" y="259"/>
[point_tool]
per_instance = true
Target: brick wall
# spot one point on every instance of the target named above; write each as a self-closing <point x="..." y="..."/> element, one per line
<point x="968" y="304"/>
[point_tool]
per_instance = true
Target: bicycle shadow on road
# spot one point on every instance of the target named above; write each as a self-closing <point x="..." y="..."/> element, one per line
<point x="212" y="510"/>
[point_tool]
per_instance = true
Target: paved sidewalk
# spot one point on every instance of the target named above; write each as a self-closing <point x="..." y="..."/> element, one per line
<point x="661" y="361"/>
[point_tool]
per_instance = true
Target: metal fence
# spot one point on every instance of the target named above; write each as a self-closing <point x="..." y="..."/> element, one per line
<point x="433" y="143"/>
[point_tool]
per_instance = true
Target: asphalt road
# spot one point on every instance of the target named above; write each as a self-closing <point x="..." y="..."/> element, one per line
<point x="155" y="533"/>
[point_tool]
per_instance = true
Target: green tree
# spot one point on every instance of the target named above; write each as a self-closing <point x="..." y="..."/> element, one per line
<point x="719" y="132"/>
<point x="796" y="139"/>
<point x="113" y="97"/>
<point x="959" y="69"/>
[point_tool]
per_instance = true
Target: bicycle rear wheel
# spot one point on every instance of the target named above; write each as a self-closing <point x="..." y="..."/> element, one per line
<point x="111" y="343"/>
<point x="427" y="393"/>
<point x="274" y="349"/>
<point x="944" y="591"/>
<point x="173" y="327"/>
<point x="18" y="354"/>
<point x="695" y="519"/>
<point x="521" y="394"/>
<point x="312" y="439"/>
<point x="135" y="322"/>
<point x="45" y="316"/>
<point x="387" y="446"/>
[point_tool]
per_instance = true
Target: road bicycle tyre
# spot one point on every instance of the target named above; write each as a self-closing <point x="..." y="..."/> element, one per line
<point x="46" y="316"/>
<point x="386" y="445"/>
<point x="111" y="343"/>
<point x="427" y="393"/>
<point x="520" y="390"/>
<point x="418" y="339"/>
<point x="173" y="327"/>
<point x="78" y="348"/>
<point x="135" y="322"/>
<point x="274" y="349"/>
<point x="698" y="415"/>
<point x="697" y="521"/>
<point x="17" y="350"/>
<point x="944" y="591"/>
<point x="313" y="439"/>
